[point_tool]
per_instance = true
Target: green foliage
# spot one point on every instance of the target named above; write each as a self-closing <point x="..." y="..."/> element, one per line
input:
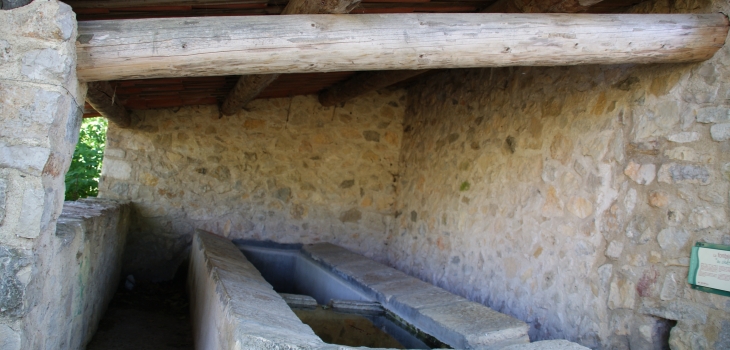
<point x="82" y="179"/>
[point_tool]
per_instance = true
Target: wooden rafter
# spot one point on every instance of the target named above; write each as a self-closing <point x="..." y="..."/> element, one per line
<point x="250" y="86"/>
<point x="363" y="83"/>
<point x="101" y="96"/>
<point x="246" y="89"/>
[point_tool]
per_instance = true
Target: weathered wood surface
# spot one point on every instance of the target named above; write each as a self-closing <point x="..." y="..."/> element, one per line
<point x="368" y="81"/>
<point x="246" y="89"/>
<point x="250" y="86"/>
<point x="101" y="96"/>
<point x="209" y="46"/>
<point x="362" y="83"/>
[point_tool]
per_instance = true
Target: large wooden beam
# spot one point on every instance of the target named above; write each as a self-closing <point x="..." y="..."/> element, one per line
<point x="101" y="96"/>
<point x="209" y="46"/>
<point x="246" y="89"/>
<point x="365" y="82"/>
<point x="250" y="86"/>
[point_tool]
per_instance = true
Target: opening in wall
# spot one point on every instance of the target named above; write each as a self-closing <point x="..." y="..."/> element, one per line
<point x="653" y="333"/>
<point x="662" y="329"/>
<point x="82" y="179"/>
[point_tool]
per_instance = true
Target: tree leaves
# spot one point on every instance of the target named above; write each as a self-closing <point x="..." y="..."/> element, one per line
<point x="82" y="179"/>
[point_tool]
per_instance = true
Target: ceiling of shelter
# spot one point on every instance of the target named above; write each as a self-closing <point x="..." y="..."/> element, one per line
<point x="165" y="93"/>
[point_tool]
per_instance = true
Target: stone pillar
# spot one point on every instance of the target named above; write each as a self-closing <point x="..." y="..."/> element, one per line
<point x="41" y="103"/>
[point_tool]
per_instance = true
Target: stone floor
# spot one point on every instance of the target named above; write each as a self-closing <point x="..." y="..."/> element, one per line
<point x="150" y="316"/>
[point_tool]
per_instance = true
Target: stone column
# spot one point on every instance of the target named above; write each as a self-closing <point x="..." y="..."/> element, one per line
<point x="41" y="103"/>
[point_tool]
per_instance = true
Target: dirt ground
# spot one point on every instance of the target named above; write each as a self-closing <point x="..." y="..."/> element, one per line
<point x="150" y="316"/>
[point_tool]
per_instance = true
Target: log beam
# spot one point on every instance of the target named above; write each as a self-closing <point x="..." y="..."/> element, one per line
<point x="246" y="89"/>
<point x="101" y="96"/>
<point x="250" y="86"/>
<point x="211" y="46"/>
<point x="363" y="83"/>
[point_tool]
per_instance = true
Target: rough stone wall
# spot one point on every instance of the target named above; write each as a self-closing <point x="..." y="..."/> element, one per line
<point x="286" y="170"/>
<point x="39" y="123"/>
<point x="90" y="241"/>
<point x="569" y="197"/>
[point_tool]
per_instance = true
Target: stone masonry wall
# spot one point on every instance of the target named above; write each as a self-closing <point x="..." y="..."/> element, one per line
<point x="39" y="123"/>
<point x="569" y="197"/>
<point x="286" y="170"/>
<point x="91" y="234"/>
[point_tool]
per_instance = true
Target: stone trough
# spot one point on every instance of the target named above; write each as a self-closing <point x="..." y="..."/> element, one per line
<point x="235" y="307"/>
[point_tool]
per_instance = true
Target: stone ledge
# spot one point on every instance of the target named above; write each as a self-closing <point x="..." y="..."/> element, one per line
<point x="92" y="234"/>
<point x="299" y="300"/>
<point x="233" y="307"/>
<point x="448" y="317"/>
<point x="89" y="207"/>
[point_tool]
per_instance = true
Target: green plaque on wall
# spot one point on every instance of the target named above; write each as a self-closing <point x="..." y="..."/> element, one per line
<point x="709" y="268"/>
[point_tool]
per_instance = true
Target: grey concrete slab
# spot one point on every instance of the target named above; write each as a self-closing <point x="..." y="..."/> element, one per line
<point x="387" y="290"/>
<point x="353" y="306"/>
<point x="408" y="304"/>
<point x="378" y="281"/>
<point x="548" y="345"/>
<point x="426" y="296"/>
<point x="253" y="336"/>
<point x="229" y="258"/>
<point x="368" y="273"/>
<point x="469" y="325"/>
<point x="448" y="317"/>
<point x="241" y="270"/>
<point x="330" y="254"/>
<point x="299" y="300"/>
<point x="323" y="248"/>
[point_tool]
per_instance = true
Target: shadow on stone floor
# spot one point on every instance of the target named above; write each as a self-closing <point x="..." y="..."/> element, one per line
<point x="150" y="316"/>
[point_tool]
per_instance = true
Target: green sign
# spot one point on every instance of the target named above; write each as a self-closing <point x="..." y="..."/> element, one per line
<point x="709" y="268"/>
